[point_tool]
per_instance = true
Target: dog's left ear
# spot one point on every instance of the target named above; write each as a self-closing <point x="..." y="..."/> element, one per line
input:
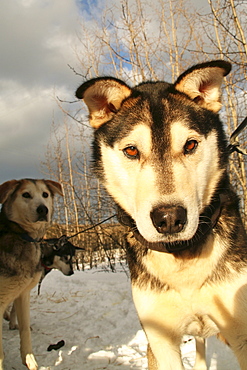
<point x="54" y="187"/>
<point x="202" y="83"/>
<point x="7" y="188"/>
<point x="103" y="97"/>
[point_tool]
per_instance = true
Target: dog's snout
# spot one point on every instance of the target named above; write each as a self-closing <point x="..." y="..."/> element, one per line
<point x="169" y="219"/>
<point x="42" y="210"/>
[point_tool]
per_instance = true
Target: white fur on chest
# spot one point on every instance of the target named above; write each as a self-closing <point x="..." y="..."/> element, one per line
<point x="184" y="275"/>
<point x="190" y="303"/>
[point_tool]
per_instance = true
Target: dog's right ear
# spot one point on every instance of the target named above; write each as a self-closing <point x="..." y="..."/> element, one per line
<point x="54" y="186"/>
<point x="103" y="97"/>
<point x="7" y="188"/>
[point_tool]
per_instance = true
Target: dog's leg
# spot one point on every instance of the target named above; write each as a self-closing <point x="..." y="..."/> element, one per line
<point x="23" y="315"/>
<point x="10" y="315"/>
<point x="152" y="363"/>
<point x="236" y="336"/>
<point x="163" y="354"/>
<point x="163" y="325"/>
<point x="230" y="314"/>
<point x="200" y="363"/>
<point x="13" y="319"/>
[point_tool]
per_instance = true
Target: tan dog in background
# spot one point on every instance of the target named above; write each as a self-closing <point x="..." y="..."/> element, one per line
<point x="27" y="207"/>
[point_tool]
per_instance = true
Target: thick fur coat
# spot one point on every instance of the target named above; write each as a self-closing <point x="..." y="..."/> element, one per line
<point x="161" y="153"/>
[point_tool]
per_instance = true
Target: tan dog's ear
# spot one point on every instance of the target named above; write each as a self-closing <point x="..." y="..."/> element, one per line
<point x="202" y="83"/>
<point x="103" y="97"/>
<point x="54" y="187"/>
<point x="7" y="188"/>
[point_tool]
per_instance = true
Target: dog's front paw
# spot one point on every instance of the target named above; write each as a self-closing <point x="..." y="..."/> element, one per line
<point x="13" y="326"/>
<point x="30" y="362"/>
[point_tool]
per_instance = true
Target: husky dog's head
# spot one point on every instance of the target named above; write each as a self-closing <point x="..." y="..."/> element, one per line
<point x="29" y="203"/>
<point x="58" y="253"/>
<point x="160" y="148"/>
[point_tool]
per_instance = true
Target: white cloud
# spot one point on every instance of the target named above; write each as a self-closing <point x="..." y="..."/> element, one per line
<point x="37" y="38"/>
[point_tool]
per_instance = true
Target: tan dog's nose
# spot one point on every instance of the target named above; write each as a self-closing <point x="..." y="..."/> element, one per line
<point x="42" y="211"/>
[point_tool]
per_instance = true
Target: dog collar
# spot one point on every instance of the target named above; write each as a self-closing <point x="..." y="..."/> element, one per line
<point x="29" y="239"/>
<point x="7" y="226"/>
<point x="46" y="268"/>
<point x="208" y="220"/>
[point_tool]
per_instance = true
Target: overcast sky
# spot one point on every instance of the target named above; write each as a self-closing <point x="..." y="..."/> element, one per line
<point x="37" y="43"/>
<point x="37" y="38"/>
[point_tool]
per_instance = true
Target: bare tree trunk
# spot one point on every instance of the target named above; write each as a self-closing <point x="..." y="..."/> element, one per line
<point x="71" y="179"/>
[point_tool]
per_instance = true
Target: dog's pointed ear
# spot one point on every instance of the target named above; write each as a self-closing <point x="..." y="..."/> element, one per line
<point x="54" y="187"/>
<point x="103" y="97"/>
<point x="7" y="188"/>
<point x="202" y="83"/>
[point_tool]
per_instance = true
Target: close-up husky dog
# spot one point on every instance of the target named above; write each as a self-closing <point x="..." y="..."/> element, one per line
<point x="161" y="152"/>
<point x="26" y="212"/>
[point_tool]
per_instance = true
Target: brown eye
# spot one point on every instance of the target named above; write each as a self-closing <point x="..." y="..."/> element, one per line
<point x="131" y="152"/>
<point x="190" y="146"/>
<point x="26" y="195"/>
<point x="45" y="195"/>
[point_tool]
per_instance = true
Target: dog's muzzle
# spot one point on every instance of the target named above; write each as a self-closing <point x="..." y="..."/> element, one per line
<point x="172" y="219"/>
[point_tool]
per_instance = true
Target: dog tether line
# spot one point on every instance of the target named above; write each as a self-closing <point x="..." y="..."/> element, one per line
<point x="234" y="144"/>
<point x="83" y="231"/>
<point x="91" y="227"/>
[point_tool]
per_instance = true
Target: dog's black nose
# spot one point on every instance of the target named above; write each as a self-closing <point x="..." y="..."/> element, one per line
<point x="169" y="219"/>
<point x="71" y="272"/>
<point x="42" y="210"/>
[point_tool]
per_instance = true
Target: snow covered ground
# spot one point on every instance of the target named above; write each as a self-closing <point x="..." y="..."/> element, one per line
<point x="92" y="311"/>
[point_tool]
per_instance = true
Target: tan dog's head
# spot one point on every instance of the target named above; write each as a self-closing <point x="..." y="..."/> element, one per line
<point x="29" y="203"/>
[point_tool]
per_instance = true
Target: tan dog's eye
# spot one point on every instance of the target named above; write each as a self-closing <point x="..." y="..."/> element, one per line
<point x="45" y="195"/>
<point x="26" y="195"/>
